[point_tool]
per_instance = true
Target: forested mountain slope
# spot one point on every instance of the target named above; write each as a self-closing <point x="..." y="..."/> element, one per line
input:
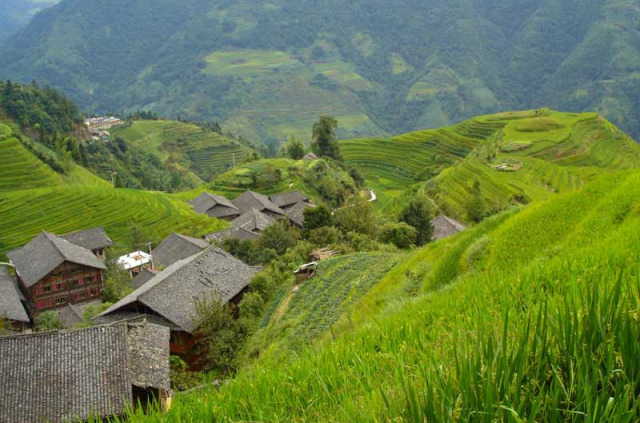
<point x="14" y="14"/>
<point x="266" y="69"/>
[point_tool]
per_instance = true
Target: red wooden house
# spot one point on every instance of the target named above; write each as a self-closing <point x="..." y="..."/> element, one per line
<point x="53" y="272"/>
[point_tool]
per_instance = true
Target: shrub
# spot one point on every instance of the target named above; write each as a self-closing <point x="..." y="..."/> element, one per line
<point x="418" y="215"/>
<point x="401" y="235"/>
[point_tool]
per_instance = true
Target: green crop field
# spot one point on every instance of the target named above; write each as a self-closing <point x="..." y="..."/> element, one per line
<point x="517" y="156"/>
<point x="528" y="316"/>
<point x="301" y="315"/>
<point x="205" y="153"/>
<point x="23" y="214"/>
<point x="20" y="168"/>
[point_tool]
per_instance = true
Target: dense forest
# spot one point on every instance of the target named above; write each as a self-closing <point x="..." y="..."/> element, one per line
<point x="268" y="69"/>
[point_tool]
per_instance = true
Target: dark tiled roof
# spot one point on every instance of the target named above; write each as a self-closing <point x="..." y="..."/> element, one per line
<point x="296" y="213"/>
<point x="253" y="220"/>
<point x="91" y="239"/>
<point x="71" y="314"/>
<point x="46" y="252"/>
<point x="233" y="233"/>
<point x="177" y="247"/>
<point x="444" y="226"/>
<point x="252" y="200"/>
<point x="62" y="376"/>
<point x="288" y="199"/>
<point x="173" y="292"/>
<point x="214" y="205"/>
<point x="142" y="277"/>
<point x="133" y="316"/>
<point x="10" y="306"/>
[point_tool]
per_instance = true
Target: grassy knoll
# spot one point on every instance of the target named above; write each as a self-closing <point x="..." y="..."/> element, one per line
<point x="517" y="157"/>
<point x="23" y="214"/>
<point x="307" y="311"/>
<point x="201" y="153"/>
<point x="530" y="316"/>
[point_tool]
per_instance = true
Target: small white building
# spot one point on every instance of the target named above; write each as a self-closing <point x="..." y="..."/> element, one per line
<point x="135" y="262"/>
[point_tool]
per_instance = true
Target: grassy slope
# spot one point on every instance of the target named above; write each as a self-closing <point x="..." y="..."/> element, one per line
<point x="206" y="152"/>
<point x="530" y="316"/>
<point x="558" y="152"/>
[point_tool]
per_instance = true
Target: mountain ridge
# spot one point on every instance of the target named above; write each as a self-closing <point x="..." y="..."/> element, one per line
<point x="426" y="64"/>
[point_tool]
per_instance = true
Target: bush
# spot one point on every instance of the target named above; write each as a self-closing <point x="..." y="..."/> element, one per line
<point x="47" y="321"/>
<point x="401" y="235"/>
<point x="324" y="236"/>
<point x="317" y="217"/>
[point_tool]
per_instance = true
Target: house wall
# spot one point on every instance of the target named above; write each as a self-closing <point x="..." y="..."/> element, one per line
<point x="69" y="283"/>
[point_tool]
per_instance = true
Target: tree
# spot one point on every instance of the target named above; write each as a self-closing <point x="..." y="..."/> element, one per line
<point x="117" y="283"/>
<point x="279" y="237"/>
<point x="402" y="235"/>
<point x="317" y="217"/>
<point x="47" y="321"/>
<point x="476" y="207"/>
<point x="358" y="215"/>
<point x="324" y="142"/>
<point x="418" y="215"/>
<point x="357" y="177"/>
<point x="295" y="149"/>
<point x="220" y="332"/>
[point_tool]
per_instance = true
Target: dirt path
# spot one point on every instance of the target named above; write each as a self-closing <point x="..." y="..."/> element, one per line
<point x="285" y="304"/>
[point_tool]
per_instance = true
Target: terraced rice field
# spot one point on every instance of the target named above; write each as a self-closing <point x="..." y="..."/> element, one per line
<point x="23" y="214"/>
<point x="206" y="153"/>
<point x="563" y="151"/>
<point x="20" y="169"/>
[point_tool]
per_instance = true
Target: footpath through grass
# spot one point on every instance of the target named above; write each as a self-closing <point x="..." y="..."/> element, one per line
<point x="533" y="317"/>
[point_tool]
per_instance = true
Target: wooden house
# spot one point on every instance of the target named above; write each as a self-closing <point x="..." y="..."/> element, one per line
<point x="177" y="247"/>
<point x="289" y="199"/>
<point x="53" y="272"/>
<point x="13" y="315"/>
<point x="238" y="233"/>
<point x="94" y="240"/>
<point x="252" y="200"/>
<point x="216" y="206"/>
<point x="170" y="297"/>
<point x="253" y="221"/>
<point x="68" y="376"/>
<point x="295" y="213"/>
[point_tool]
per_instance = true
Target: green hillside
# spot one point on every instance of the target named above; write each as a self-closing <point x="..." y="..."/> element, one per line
<point x="516" y="157"/>
<point x="20" y="168"/>
<point x="267" y="70"/>
<point x="529" y="316"/>
<point x="202" y="152"/>
<point x="23" y="214"/>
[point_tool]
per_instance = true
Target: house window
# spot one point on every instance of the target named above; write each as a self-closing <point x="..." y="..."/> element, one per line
<point x="58" y="287"/>
<point x="44" y="304"/>
<point x="78" y="282"/>
<point x="81" y="295"/>
<point x="61" y="300"/>
<point x="95" y="292"/>
<point x="47" y="288"/>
